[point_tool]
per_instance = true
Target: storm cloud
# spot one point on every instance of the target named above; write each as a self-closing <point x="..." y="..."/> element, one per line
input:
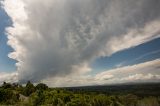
<point x="54" y="38"/>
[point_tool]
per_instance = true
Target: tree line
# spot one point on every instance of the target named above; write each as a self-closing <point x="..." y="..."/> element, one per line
<point x="42" y="95"/>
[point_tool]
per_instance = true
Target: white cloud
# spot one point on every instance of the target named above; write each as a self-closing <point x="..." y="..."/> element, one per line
<point x="143" y="72"/>
<point x="104" y="77"/>
<point x="8" y="77"/>
<point x="141" y="77"/>
<point x="148" y="71"/>
<point x="136" y="37"/>
<point x="56" y="38"/>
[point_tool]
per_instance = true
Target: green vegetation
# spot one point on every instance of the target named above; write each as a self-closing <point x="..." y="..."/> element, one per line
<point x="41" y="95"/>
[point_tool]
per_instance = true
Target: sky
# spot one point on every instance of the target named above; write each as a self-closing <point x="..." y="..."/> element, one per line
<point x="79" y="43"/>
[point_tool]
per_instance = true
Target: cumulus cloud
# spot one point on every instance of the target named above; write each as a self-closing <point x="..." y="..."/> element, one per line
<point x="143" y="72"/>
<point x="148" y="71"/>
<point x="8" y="77"/>
<point x="56" y="38"/>
<point x="141" y="77"/>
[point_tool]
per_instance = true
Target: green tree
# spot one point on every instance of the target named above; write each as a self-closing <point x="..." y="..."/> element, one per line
<point x="41" y="86"/>
<point x="29" y="89"/>
<point x="6" y="85"/>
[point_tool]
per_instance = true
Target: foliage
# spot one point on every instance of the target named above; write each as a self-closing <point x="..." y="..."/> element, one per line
<point x="41" y="86"/>
<point x="41" y="95"/>
<point x="7" y="96"/>
<point x="29" y="89"/>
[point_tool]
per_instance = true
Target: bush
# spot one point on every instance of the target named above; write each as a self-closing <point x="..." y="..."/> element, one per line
<point x="8" y="96"/>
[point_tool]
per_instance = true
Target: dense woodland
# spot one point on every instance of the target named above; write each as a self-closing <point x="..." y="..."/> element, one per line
<point x="115" y="95"/>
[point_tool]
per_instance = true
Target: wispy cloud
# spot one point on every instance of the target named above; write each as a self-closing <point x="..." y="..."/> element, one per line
<point x="141" y="57"/>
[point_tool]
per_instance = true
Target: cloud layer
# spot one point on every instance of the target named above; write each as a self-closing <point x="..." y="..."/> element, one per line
<point x="144" y="72"/>
<point x="57" y="38"/>
<point x="8" y="77"/>
<point x="148" y="71"/>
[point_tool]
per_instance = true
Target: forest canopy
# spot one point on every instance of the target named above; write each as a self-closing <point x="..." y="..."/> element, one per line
<point x="41" y="94"/>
